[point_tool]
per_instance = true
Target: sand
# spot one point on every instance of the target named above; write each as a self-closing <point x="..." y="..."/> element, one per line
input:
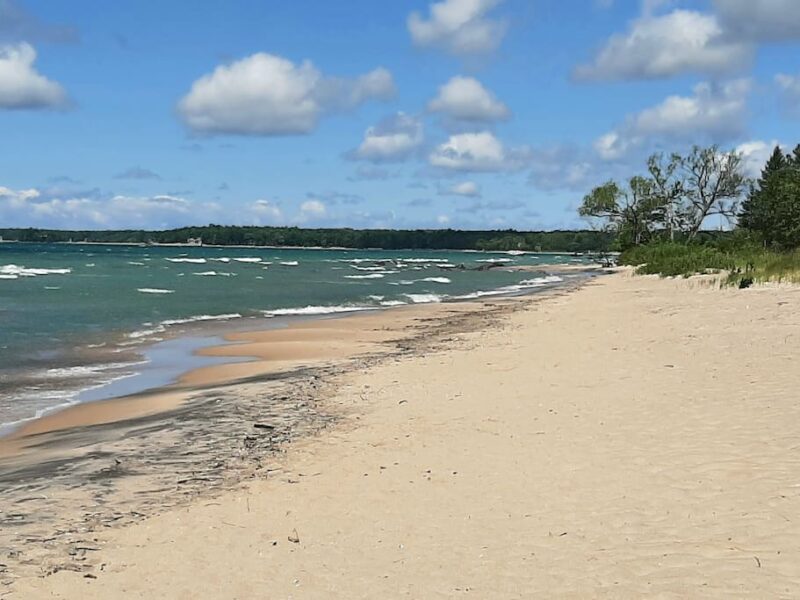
<point x="635" y="438"/>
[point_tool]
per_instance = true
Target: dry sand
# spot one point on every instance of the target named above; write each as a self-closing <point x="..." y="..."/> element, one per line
<point x="636" y="438"/>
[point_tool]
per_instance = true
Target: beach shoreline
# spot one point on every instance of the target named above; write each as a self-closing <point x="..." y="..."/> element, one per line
<point x="230" y="335"/>
<point x="505" y="449"/>
<point x="88" y="446"/>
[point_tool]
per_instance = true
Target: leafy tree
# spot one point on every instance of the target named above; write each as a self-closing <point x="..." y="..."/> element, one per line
<point x="668" y="186"/>
<point x="713" y="182"/>
<point x="632" y="213"/>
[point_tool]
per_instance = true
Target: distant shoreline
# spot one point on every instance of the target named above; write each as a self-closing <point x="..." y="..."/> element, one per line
<point x="336" y="248"/>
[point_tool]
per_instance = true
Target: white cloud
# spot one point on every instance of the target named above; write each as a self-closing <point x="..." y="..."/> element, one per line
<point x="443" y="220"/>
<point x="665" y="46"/>
<point x="477" y="152"/>
<point x="459" y="27"/>
<point x="37" y="208"/>
<point x="760" y="20"/>
<point x="755" y="155"/>
<point x="393" y="139"/>
<point x="266" y="211"/>
<point x="563" y="167"/>
<point x="313" y="209"/>
<point x="21" y="86"/>
<point x="265" y="94"/>
<point x="465" y="99"/>
<point x="714" y="112"/>
<point x="469" y="189"/>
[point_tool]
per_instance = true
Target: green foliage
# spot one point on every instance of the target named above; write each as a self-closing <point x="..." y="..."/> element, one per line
<point x="745" y="262"/>
<point x="772" y="209"/>
<point x="712" y="184"/>
<point x="632" y="213"/>
<point x="670" y="259"/>
<point x="390" y="239"/>
<point x="673" y="202"/>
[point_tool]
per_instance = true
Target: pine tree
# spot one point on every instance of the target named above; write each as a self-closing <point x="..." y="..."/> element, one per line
<point x="754" y="213"/>
<point x="793" y="159"/>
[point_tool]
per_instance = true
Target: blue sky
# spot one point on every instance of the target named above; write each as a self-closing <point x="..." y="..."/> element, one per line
<point x="459" y="113"/>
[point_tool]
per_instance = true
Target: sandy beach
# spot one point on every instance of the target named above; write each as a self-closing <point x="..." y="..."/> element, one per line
<point x="634" y="437"/>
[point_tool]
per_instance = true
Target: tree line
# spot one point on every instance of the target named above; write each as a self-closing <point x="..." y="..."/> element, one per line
<point x="680" y="193"/>
<point x="390" y="239"/>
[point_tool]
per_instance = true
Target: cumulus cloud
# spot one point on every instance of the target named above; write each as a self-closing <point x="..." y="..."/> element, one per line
<point x="313" y="209"/>
<point x="137" y="173"/>
<point x="264" y="94"/>
<point x="760" y="20"/>
<point x="755" y="154"/>
<point x="562" y="167"/>
<point x="21" y="86"/>
<point x="714" y="112"/>
<point x="395" y="138"/>
<point x="469" y="189"/>
<point x="266" y="212"/>
<point x="477" y="152"/>
<point x="666" y="45"/>
<point x="460" y="27"/>
<point x="465" y="99"/>
<point x="40" y="208"/>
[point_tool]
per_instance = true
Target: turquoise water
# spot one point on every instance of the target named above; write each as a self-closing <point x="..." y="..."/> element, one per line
<point x="74" y="316"/>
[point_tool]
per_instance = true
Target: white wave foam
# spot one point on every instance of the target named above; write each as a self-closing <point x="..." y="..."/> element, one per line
<point x="424" y="298"/>
<point x="290" y="263"/>
<point x="495" y="260"/>
<point x="84" y="370"/>
<point x="135" y="335"/>
<point x="136" y="263"/>
<point x="541" y="280"/>
<point x="315" y="310"/>
<point x="437" y="280"/>
<point x="367" y="268"/>
<point x="377" y="298"/>
<point x="248" y="259"/>
<point x="196" y="261"/>
<point x="370" y="276"/>
<point x="389" y="303"/>
<point x="527" y="284"/>
<point x="154" y="291"/>
<point x="224" y="259"/>
<point x="214" y="274"/>
<point x="15" y="271"/>
<point x="194" y="319"/>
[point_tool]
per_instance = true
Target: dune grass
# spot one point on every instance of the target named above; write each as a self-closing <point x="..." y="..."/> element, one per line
<point x="745" y="264"/>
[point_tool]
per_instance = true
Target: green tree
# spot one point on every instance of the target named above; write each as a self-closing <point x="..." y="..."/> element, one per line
<point x="668" y="186"/>
<point x="772" y="209"/>
<point x="633" y="213"/>
<point x="754" y="214"/>
<point x="713" y="182"/>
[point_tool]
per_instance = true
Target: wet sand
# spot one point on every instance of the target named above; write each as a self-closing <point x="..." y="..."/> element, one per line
<point x="634" y="438"/>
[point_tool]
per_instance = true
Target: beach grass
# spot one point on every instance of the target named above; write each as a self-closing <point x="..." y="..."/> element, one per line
<point x="745" y="264"/>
